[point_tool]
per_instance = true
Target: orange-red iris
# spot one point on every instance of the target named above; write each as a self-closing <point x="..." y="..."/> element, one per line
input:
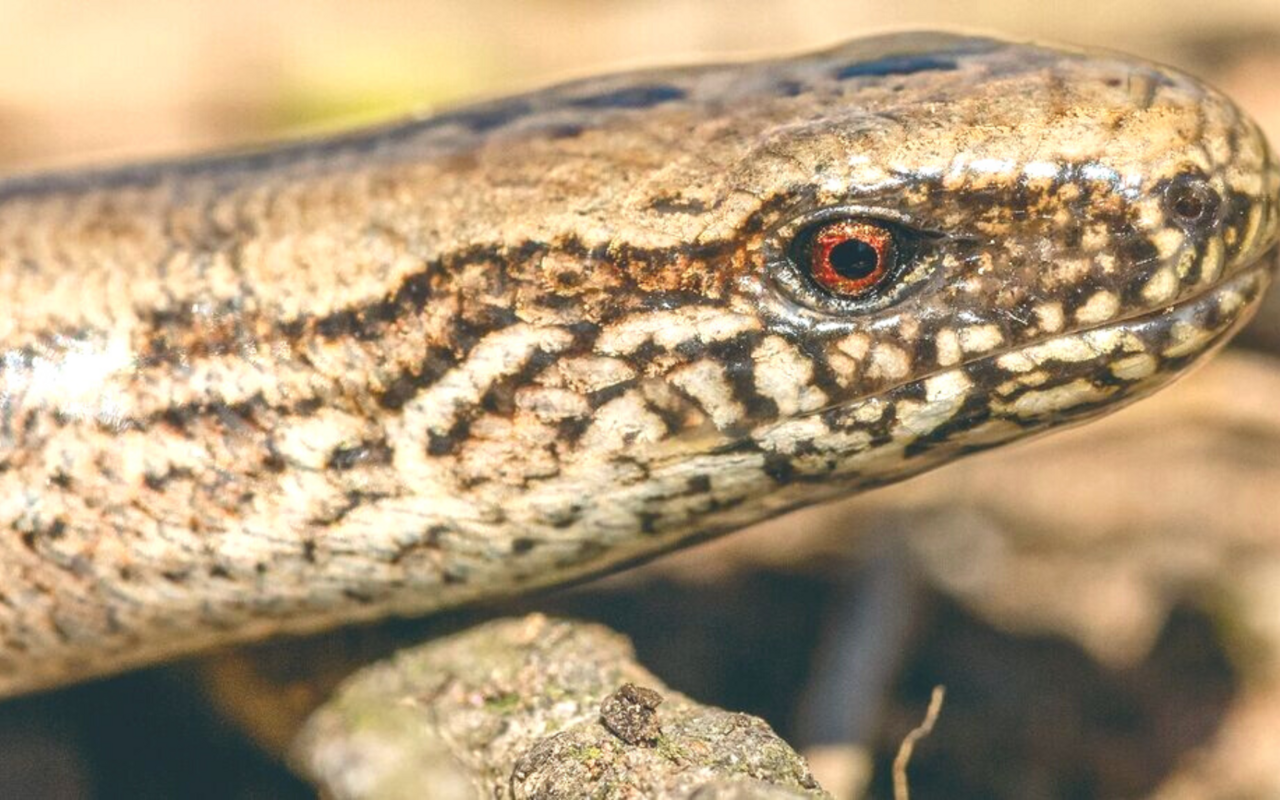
<point x="850" y="257"/>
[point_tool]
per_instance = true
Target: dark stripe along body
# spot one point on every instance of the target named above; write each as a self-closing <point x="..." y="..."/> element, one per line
<point x="520" y="342"/>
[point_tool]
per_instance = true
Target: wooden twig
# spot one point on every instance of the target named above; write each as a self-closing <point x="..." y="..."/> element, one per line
<point x="537" y="707"/>
<point x="901" y="790"/>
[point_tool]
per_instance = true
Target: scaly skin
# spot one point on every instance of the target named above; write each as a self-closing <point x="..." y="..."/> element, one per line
<point x="536" y="338"/>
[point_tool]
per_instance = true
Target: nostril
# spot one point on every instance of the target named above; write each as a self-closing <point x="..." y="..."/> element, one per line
<point x="1191" y="202"/>
<point x="1188" y="206"/>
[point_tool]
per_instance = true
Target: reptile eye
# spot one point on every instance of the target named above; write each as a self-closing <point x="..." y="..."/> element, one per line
<point x="1191" y="201"/>
<point x="850" y="258"/>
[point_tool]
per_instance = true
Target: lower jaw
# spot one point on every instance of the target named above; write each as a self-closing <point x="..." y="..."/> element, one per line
<point x="1066" y="380"/>
<point x="1145" y="351"/>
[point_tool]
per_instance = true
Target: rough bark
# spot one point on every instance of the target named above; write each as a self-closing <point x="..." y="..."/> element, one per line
<point x="513" y="709"/>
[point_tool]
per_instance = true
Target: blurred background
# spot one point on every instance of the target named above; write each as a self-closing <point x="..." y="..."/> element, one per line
<point x="120" y="78"/>
<point x="1103" y="606"/>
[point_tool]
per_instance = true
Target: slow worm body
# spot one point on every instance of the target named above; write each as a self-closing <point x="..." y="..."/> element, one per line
<point x="531" y="339"/>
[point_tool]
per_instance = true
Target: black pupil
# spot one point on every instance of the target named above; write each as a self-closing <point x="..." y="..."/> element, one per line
<point x="854" y="259"/>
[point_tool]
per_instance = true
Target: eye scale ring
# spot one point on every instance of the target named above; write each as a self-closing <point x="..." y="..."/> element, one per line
<point x="1191" y="202"/>
<point x="849" y="258"/>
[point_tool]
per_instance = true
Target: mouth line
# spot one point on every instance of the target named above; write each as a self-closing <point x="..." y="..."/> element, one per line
<point x="1243" y="276"/>
<point x="1104" y="342"/>
<point x="1249" y="284"/>
<point x="1239" y="282"/>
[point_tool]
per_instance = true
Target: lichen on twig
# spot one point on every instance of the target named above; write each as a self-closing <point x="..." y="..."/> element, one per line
<point x="513" y="709"/>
